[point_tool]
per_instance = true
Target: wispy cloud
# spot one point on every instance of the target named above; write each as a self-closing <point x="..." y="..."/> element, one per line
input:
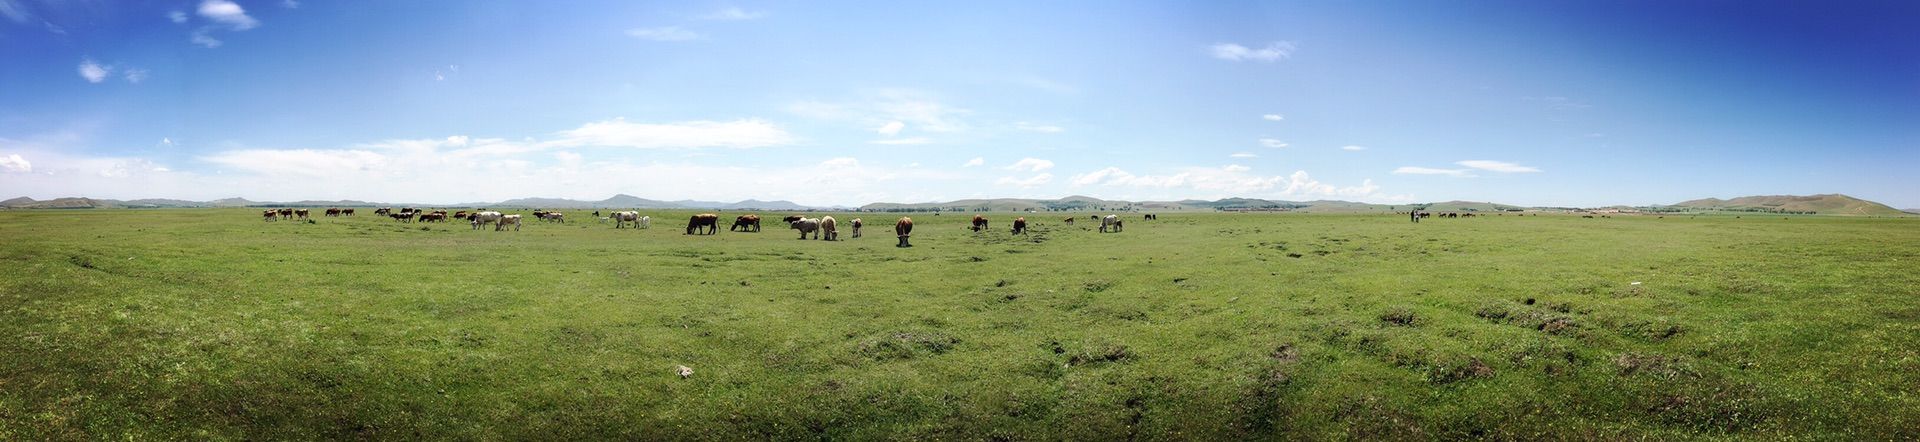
<point x="664" y="33"/>
<point x="1042" y="128"/>
<point x="1498" y="166"/>
<point x="918" y="111"/>
<point x="14" y="12"/>
<point x="1229" y="180"/>
<point x="1273" y="117"/>
<point x="94" y="72"/>
<point x="1236" y="168"/>
<point x="177" y="17"/>
<point x="1244" y="155"/>
<point x="1416" y="170"/>
<point x="734" y="13"/>
<point x="290" y="4"/>
<point x="1353" y="148"/>
<point x="1033" y="181"/>
<point x="13" y="163"/>
<point x="690" y="134"/>
<point x="1030" y="165"/>
<point x="891" y="128"/>
<point x="1279" y="50"/>
<point x="903" y="141"/>
<point x="1272" y="143"/>
<point x="201" y="37"/>
<point x="135" y="75"/>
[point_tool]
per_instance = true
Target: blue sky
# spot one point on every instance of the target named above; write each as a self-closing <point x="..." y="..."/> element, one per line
<point x="1524" y="102"/>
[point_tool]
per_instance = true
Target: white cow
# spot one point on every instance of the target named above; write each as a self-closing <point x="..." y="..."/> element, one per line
<point x="621" y="219"/>
<point x="830" y="228"/>
<point x="505" y="220"/>
<point x="484" y="218"/>
<point x="646" y="222"/>
<point x="1110" y="221"/>
<point x="805" y="226"/>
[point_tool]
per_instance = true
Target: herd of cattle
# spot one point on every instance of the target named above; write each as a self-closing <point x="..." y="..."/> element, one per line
<point x="822" y="228"/>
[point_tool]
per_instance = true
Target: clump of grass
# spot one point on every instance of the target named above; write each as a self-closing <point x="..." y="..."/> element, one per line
<point x="1400" y="316"/>
<point x="1104" y="353"/>
<point x="906" y="345"/>
<point x="1651" y="364"/>
<point x="1097" y="286"/>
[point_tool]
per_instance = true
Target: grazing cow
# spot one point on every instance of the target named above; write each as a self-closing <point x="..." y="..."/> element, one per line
<point x="286" y="213"/>
<point x="829" y="227"/>
<point x="554" y="217"/>
<point x="272" y="215"/>
<point x="505" y="220"/>
<point x="979" y="223"/>
<point x="1070" y="219"/>
<point x="462" y="214"/>
<point x="856" y="227"/>
<point x="333" y="211"/>
<point x="621" y="219"/>
<point x="431" y="217"/>
<point x="483" y="218"/>
<point x="346" y="212"/>
<point x="903" y="228"/>
<point x="707" y="220"/>
<point x="805" y="226"/>
<point x="1020" y="225"/>
<point x="403" y="216"/>
<point x="1110" y="221"/>
<point x="302" y="213"/>
<point x="745" y="223"/>
<point x="646" y="222"/>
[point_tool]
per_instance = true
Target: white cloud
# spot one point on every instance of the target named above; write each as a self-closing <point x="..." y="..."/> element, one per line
<point x="13" y="12"/>
<point x="1033" y="181"/>
<point x="201" y="37"/>
<point x="1279" y="50"/>
<point x="1244" y="155"/>
<point x="167" y="142"/>
<point x="1030" y="165"/>
<point x="136" y="75"/>
<point x="621" y="133"/>
<point x="903" y="141"/>
<point x="1415" y="170"/>
<point x="228" y="13"/>
<point x="1497" y="166"/>
<point x="1042" y="128"/>
<point x="94" y="72"/>
<point x="13" y="163"/>
<point x="1272" y="143"/>
<point x="976" y="161"/>
<point x="665" y="33"/>
<point x="290" y="4"/>
<point x="734" y="13"/>
<point x="1236" y="168"/>
<point x="891" y="128"/>
<point x="1273" y="117"/>
<point x="918" y="110"/>
<point x="1353" y="148"/>
<point x="177" y="17"/>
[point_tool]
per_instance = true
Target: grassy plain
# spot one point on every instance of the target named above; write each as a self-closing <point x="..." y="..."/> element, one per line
<point x="210" y="324"/>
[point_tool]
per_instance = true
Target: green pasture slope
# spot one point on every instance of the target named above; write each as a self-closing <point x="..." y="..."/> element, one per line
<point x="210" y="324"/>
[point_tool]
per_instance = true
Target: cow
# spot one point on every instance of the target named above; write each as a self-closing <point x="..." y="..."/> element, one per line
<point x="745" y="223"/>
<point x="505" y="220"/>
<point x="710" y="221"/>
<point x="805" y="226"/>
<point x="621" y="219"/>
<point x="346" y="212"/>
<point x="483" y="218"/>
<point x="829" y="227"/>
<point x="979" y="223"/>
<point x="856" y="227"/>
<point x="333" y="211"/>
<point x="1070" y="219"/>
<point x="462" y="214"/>
<point x="403" y="216"/>
<point x="540" y="214"/>
<point x="286" y="213"/>
<point x="272" y="215"/>
<point x="903" y="228"/>
<point x="431" y="217"/>
<point x="646" y="222"/>
<point x="554" y="217"/>
<point x="1020" y="225"/>
<point x="791" y="218"/>
<point x="1112" y="221"/>
<point x="383" y="211"/>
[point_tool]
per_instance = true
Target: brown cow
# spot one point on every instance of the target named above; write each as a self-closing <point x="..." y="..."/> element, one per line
<point x="791" y="218"/>
<point x="1020" y="225"/>
<point x="1070" y="219"/>
<point x="302" y="213"/>
<point x="707" y="220"/>
<point x="346" y="212"/>
<point x="979" y="223"/>
<point x="333" y="211"/>
<point x="286" y="213"/>
<point x="272" y="215"/>
<point x="435" y="216"/>
<point x="745" y="223"/>
<point x="903" y="228"/>
<point x="460" y="215"/>
<point x="856" y="227"/>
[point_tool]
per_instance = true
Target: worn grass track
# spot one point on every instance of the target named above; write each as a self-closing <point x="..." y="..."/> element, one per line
<point x="213" y="324"/>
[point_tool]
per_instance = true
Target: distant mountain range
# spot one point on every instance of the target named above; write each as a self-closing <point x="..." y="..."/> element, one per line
<point x="1832" y="204"/>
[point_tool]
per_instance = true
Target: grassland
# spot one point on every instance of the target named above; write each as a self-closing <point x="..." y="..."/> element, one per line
<point x="210" y="324"/>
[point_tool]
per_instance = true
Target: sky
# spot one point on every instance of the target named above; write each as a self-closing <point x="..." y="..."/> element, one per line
<point x="1558" y="103"/>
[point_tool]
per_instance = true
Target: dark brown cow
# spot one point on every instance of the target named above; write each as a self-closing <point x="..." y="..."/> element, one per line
<point x="402" y="216"/>
<point x="302" y="213"/>
<point x="979" y="223"/>
<point x="1020" y="225"/>
<point x="435" y="216"/>
<point x="1071" y="218"/>
<point x="333" y="211"/>
<point x="707" y="220"/>
<point x="903" y="228"/>
<point x="460" y="215"/>
<point x="383" y="211"/>
<point x="745" y="223"/>
<point x="856" y="227"/>
<point x="272" y="215"/>
<point x="346" y="212"/>
<point x="791" y="218"/>
<point x="286" y="213"/>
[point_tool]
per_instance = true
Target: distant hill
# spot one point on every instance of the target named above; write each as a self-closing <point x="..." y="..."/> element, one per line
<point x="17" y="202"/>
<point x="1468" y="206"/>
<point x="1829" y="204"/>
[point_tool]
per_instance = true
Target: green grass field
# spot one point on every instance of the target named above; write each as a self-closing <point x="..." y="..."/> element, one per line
<point x="210" y="324"/>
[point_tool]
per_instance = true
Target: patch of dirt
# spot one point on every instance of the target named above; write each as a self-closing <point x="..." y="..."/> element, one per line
<point x="1399" y="316"/>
